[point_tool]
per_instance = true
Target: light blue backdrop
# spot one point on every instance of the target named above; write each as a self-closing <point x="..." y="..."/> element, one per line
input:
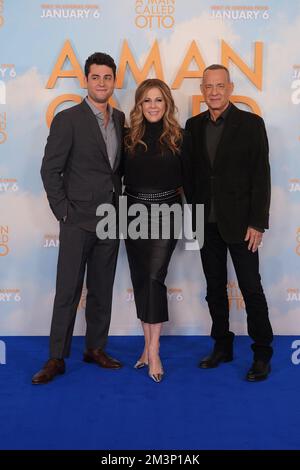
<point x="32" y="36"/>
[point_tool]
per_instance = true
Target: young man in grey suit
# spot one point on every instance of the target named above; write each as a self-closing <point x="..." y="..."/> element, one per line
<point x="231" y="177"/>
<point x="80" y="171"/>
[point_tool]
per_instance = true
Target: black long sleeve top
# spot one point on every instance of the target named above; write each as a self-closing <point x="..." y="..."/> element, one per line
<point x="155" y="169"/>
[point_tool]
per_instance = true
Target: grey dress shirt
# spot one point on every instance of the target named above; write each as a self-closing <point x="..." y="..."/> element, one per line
<point x="108" y="133"/>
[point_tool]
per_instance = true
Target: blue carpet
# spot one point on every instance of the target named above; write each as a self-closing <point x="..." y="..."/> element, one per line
<point x="94" y="408"/>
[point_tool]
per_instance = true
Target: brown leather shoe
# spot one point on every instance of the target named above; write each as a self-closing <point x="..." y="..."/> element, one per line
<point x="52" y="368"/>
<point x="101" y="358"/>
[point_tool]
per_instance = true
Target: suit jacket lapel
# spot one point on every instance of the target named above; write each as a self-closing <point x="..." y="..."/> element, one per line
<point x="202" y="141"/>
<point x="230" y="127"/>
<point x="95" y="129"/>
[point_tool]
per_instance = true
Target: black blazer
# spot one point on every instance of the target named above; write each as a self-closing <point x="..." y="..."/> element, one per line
<point x="240" y="176"/>
<point x="76" y="172"/>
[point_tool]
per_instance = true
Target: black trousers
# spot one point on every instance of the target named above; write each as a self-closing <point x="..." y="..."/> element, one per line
<point x="80" y="250"/>
<point x="148" y="262"/>
<point x="246" y="265"/>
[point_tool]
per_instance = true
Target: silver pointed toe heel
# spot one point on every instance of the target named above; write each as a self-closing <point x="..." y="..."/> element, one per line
<point x="157" y="377"/>
<point x="140" y="365"/>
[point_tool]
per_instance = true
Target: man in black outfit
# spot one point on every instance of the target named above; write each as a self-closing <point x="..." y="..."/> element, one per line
<point x="80" y="170"/>
<point x="231" y="177"/>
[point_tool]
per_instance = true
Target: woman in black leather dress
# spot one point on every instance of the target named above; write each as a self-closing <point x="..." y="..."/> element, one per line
<point x="155" y="170"/>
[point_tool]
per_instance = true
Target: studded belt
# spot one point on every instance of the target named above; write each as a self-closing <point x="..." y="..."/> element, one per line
<point x="154" y="197"/>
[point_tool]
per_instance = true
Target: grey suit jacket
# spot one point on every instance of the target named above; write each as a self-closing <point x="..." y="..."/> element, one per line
<point x="76" y="172"/>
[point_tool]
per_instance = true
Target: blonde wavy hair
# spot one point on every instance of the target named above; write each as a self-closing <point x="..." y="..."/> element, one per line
<point x="171" y="136"/>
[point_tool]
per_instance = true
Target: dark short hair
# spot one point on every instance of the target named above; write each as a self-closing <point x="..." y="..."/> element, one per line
<point x="99" y="58"/>
<point x="217" y="67"/>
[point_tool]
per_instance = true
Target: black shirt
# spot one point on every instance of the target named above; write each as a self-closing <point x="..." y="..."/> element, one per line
<point x="213" y="134"/>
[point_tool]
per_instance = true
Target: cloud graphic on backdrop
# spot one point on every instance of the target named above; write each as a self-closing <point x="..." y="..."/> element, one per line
<point x="28" y="218"/>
